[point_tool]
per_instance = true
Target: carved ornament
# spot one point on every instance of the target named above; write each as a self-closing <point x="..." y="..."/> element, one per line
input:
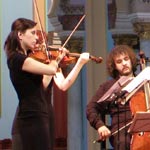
<point x="142" y="29"/>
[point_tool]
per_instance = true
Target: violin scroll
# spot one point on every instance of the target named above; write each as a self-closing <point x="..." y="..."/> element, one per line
<point x="96" y="59"/>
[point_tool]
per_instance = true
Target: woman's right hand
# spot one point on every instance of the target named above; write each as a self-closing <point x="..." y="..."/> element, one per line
<point x="62" y="53"/>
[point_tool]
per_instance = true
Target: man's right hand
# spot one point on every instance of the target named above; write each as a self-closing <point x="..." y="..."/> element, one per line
<point x="104" y="133"/>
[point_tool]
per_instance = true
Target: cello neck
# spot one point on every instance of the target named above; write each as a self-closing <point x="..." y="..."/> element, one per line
<point x="147" y="84"/>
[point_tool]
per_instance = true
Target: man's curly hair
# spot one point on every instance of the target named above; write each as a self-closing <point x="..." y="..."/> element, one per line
<point x="117" y="50"/>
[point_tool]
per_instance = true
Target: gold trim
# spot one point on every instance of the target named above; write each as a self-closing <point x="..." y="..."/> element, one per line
<point x="128" y="39"/>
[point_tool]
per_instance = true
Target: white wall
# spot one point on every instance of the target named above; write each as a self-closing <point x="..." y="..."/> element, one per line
<point x="10" y="10"/>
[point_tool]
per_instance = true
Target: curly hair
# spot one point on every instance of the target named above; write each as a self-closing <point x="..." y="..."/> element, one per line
<point x="117" y="50"/>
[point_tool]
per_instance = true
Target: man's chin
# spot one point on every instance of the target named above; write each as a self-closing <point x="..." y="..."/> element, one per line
<point x="126" y="73"/>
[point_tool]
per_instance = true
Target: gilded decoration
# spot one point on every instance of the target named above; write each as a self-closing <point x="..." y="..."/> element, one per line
<point x="128" y="39"/>
<point x="142" y="29"/>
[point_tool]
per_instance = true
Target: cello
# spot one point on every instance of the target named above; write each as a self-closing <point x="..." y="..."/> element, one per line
<point x="139" y="103"/>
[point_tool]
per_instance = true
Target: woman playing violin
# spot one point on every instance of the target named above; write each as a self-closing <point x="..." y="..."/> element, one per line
<point x="121" y="62"/>
<point x="32" y="80"/>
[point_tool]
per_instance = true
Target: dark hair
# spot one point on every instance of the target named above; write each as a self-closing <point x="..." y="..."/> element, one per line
<point x="117" y="50"/>
<point x="12" y="43"/>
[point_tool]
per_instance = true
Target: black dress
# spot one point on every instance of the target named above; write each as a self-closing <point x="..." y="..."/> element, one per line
<point x="34" y="117"/>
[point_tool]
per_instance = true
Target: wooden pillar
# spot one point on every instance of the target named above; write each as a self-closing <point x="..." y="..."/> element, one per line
<point x="39" y="13"/>
<point x="96" y="27"/>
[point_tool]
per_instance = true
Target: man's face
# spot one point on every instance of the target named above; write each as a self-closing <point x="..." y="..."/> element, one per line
<point x="123" y="65"/>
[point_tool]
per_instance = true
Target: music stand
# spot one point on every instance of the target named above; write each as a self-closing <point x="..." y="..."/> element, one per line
<point x="140" y="123"/>
<point x="116" y="87"/>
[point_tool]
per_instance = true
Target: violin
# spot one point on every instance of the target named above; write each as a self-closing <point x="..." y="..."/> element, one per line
<point x="44" y="53"/>
<point x="70" y="57"/>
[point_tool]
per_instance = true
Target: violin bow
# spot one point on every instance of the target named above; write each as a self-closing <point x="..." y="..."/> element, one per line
<point x="41" y="28"/>
<point x="73" y="30"/>
<point x="40" y="24"/>
<point x="115" y="132"/>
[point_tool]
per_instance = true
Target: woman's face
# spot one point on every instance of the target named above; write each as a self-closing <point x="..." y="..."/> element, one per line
<point x="123" y="64"/>
<point x="28" y="39"/>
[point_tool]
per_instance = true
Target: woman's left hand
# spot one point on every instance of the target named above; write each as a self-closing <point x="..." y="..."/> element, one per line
<point x="84" y="57"/>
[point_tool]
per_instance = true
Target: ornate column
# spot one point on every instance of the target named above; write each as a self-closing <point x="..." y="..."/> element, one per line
<point x="143" y="31"/>
<point x="54" y="39"/>
<point x="122" y="31"/>
<point x="140" y="18"/>
<point x="127" y="39"/>
<point x="64" y="15"/>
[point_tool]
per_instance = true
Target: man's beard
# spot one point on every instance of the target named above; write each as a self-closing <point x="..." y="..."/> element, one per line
<point x="126" y="73"/>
